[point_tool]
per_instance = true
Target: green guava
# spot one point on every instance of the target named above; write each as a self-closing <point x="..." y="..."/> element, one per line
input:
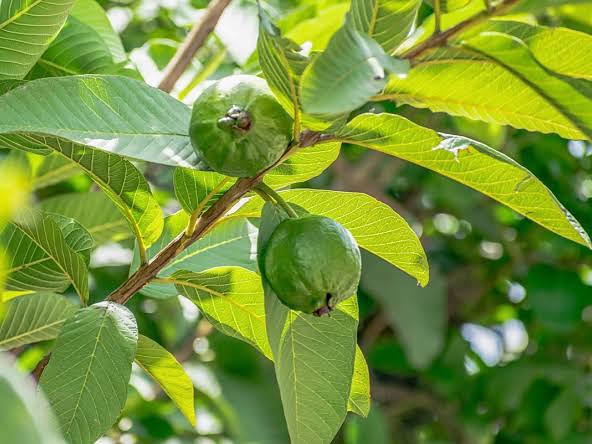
<point x="238" y="127"/>
<point x="312" y="263"/>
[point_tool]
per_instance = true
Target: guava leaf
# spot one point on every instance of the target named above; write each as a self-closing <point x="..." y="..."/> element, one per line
<point x="86" y="44"/>
<point x="347" y="74"/>
<point x="33" y="318"/>
<point x="386" y="21"/>
<point x="199" y="189"/>
<point x="122" y="183"/>
<point x="20" y="48"/>
<point x="359" y="396"/>
<point x="232" y="298"/>
<point x="313" y="358"/>
<point x="494" y="77"/>
<point x="376" y="226"/>
<point x="95" y="211"/>
<point x="231" y="243"/>
<point x="468" y="162"/>
<point x="27" y="417"/>
<point x="87" y="393"/>
<point x="52" y="168"/>
<point x="115" y="114"/>
<point x="41" y="258"/>
<point x="164" y="368"/>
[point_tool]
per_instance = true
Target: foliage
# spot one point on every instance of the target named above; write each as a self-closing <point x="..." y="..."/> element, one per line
<point x="130" y="249"/>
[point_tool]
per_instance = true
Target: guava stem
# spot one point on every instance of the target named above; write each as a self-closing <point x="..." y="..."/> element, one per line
<point x="275" y="196"/>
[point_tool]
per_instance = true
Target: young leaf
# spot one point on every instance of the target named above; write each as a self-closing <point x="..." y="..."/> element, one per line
<point x="495" y="78"/>
<point x="168" y="373"/>
<point x="303" y="165"/>
<point x="313" y="358"/>
<point x="95" y="211"/>
<point x="282" y="64"/>
<point x="114" y="114"/>
<point x="230" y="297"/>
<point x="231" y="243"/>
<point x="33" y="318"/>
<point x="352" y="69"/>
<point x="121" y="181"/>
<point x="87" y="376"/>
<point x="359" y="396"/>
<point x="386" y="21"/>
<point x="20" y="47"/>
<point x="199" y="189"/>
<point x="26" y="416"/>
<point x="83" y="46"/>
<point x="75" y="235"/>
<point x="468" y="162"/>
<point x="41" y="258"/>
<point x="374" y="225"/>
<point x="548" y="46"/>
<point x="53" y="168"/>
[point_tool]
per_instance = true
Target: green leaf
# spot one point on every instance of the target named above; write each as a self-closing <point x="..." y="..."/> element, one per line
<point x="418" y="315"/>
<point x="95" y="211"/>
<point x="41" y="259"/>
<point x="450" y="5"/>
<point x="115" y="114"/>
<point x="26" y="29"/>
<point x="32" y="318"/>
<point x="305" y="164"/>
<point x="83" y="46"/>
<point x="313" y="357"/>
<point x="168" y="373"/>
<point x="53" y="168"/>
<point x="375" y="226"/>
<point x="121" y="181"/>
<point x="231" y="243"/>
<point x="495" y="78"/>
<point x="87" y="393"/>
<point x="26" y="417"/>
<point x="232" y="299"/>
<point x="75" y="235"/>
<point x="193" y="186"/>
<point x="282" y="64"/>
<point x="359" y="396"/>
<point x="199" y="189"/>
<point x="352" y="69"/>
<point x="563" y="51"/>
<point x="386" y="21"/>
<point x="319" y="29"/>
<point x="468" y="162"/>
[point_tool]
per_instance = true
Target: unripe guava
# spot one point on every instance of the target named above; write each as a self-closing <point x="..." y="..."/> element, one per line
<point x="238" y="127"/>
<point x="312" y="263"/>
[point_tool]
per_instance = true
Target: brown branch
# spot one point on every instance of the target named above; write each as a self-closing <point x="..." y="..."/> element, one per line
<point x="195" y="39"/>
<point x="38" y="370"/>
<point x="440" y="39"/>
<point x="149" y="271"/>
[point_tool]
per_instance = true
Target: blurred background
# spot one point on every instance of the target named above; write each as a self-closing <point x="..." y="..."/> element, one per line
<point x="497" y="349"/>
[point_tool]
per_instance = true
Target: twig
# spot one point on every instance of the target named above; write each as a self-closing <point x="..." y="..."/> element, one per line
<point x="38" y="370"/>
<point x="195" y="39"/>
<point x="437" y="17"/>
<point x="442" y="38"/>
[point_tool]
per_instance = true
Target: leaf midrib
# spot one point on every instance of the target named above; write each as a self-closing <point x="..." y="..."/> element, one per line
<point x="19" y="14"/>
<point x="31" y="332"/>
<point x="87" y="373"/>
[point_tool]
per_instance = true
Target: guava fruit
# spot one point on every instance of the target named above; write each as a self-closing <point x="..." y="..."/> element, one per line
<point x="312" y="263"/>
<point x="238" y="128"/>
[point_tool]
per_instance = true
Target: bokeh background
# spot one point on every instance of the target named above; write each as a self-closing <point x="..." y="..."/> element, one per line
<point x="497" y="349"/>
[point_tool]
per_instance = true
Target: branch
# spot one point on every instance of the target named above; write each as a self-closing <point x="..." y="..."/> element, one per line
<point x="442" y="38"/>
<point x="195" y="39"/>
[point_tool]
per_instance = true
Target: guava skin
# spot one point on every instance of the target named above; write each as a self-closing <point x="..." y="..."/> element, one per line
<point x="312" y="263"/>
<point x="238" y="127"/>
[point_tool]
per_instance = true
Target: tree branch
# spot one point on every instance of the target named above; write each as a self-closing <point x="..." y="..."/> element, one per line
<point x="195" y="39"/>
<point x="440" y="39"/>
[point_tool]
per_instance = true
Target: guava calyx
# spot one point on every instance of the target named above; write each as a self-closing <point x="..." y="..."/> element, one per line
<point x="236" y="119"/>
